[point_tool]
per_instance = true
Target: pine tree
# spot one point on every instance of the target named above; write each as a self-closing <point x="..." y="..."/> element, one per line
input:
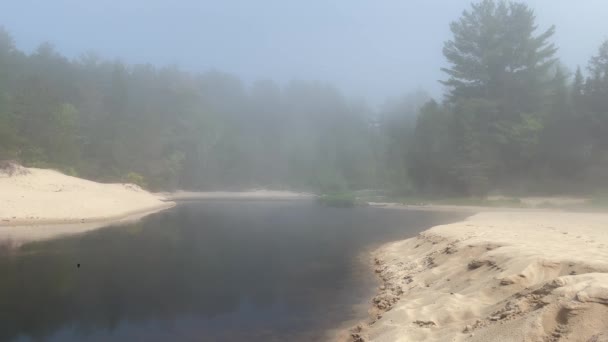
<point x="496" y="55"/>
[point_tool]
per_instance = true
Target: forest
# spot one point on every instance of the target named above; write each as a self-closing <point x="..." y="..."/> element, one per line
<point x="513" y="119"/>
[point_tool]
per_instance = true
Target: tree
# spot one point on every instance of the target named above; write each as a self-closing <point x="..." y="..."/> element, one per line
<point x="8" y="138"/>
<point x="578" y="87"/>
<point x="597" y="95"/>
<point x="598" y="65"/>
<point x="565" y="138"/>
<point x="496" y="55"/>
<point x="429" y="155"/>
<point x="498" y="82"/>
<point x="397" y="122"/>
<point x="63" y="146"/>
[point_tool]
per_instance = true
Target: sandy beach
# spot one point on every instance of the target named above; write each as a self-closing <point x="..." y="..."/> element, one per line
<point x="497" y="276"/>
<point x="38" y="204"/>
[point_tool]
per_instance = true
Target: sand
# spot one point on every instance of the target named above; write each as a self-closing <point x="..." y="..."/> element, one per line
<point x="38" y="203"/>
<point x="498" y="276"/>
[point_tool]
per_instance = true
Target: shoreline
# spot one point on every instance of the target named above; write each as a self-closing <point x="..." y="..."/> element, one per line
<point x="40" y="230"/>
<point x="108" y="219"/>
<point x="235" y="195"/>
<point x="496" y="276"/>
<point x="508" y="274"/>
<point x="40" y="204"/>
<point x="471" y="209"/>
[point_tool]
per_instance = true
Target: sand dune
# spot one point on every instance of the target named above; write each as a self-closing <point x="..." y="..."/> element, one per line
<point x="35" y="197"/>
<point x="498" y="276"/>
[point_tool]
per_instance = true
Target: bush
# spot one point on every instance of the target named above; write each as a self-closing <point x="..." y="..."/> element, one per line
<point x="137" y="179"/>
<point x="70" y="171"/>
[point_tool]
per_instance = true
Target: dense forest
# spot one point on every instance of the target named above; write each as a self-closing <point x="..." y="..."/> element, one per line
<point x="513" y="119"/>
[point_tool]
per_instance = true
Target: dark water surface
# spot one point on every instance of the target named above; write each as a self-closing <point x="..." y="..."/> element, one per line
<point x="203" y="271"/>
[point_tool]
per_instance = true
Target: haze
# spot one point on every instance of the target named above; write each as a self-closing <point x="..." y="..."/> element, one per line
<point x="248" y="170"/>
<point x="369" y="49"/>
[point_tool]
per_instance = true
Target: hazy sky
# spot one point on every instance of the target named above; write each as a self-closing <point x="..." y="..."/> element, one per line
<point x="371" y="48"/>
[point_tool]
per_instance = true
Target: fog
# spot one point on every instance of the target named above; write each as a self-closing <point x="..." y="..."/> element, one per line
<point x="369" y="49"/>
<point x="272" y="145"/>
<point x="408" y="98"/>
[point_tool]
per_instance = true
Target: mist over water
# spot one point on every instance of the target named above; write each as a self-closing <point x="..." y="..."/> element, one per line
<point x="491" y="103"/>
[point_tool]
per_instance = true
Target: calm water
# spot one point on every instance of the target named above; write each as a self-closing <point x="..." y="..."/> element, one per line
<point x="203" y="271"/>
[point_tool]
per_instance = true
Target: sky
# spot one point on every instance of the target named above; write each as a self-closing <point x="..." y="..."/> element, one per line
<point x="372" y="49"/>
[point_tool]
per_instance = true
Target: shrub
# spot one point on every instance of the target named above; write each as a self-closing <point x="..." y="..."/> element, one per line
<point x="137" y="179"/>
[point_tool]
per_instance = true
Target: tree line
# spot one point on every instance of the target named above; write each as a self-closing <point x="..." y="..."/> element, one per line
<point x="513" y="119"/>
<point x="165" y="128"/>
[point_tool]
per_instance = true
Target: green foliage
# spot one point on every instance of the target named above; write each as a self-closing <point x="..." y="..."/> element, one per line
<point x="63" y="146"/>
<point x="136" y="178"/>
<point x="496" y="54"/>
<point x="513" y="120"/>
<point x="179" y="129"/>
<point x="511" y="117"/>
<point x="70" y="171"/>
<point x="9" y="142"/>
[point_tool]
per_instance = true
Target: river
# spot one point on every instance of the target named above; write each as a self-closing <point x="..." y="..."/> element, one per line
<point x="204" y="271"/>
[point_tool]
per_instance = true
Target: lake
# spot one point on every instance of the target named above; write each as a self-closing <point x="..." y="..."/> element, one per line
<point x="204" y="271"/>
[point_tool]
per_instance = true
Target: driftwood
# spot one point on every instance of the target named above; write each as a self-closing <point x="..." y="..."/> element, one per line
<point x="12" y="168"/>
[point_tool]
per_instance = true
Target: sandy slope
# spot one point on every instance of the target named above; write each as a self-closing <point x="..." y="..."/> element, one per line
<point x="48" y="197"/>
<point x="498" y="276"/>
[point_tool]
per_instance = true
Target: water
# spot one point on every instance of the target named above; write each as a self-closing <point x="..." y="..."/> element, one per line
<point x="203" y="271"/>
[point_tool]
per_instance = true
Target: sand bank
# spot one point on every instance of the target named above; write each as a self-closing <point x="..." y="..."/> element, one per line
<point x="498" y="276"/>
<point x="38" y="203"/>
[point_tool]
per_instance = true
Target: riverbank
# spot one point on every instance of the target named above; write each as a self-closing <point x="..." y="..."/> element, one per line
<point x="256" y="194"/>
<point x="497" y="276"/>
<point x="38" y="204"/>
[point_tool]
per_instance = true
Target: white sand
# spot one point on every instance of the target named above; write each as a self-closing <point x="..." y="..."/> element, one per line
<point x="498" y="276"/>
<point x="47" y="197"/>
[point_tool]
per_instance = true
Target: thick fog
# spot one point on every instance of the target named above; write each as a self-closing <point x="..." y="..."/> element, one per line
<point x="371" y="49"/>
<point x="326" y="96"/>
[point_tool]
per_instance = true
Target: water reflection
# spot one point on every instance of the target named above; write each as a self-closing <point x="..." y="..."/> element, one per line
<point x="202" y="271"/>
